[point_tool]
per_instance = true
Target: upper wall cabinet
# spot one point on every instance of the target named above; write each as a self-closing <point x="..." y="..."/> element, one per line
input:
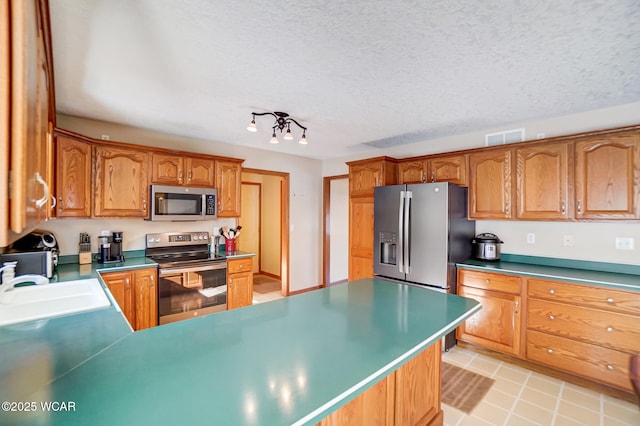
<point x="412" y="171"/>
<point x="27" y="117"/>
<point x="73" y="177"/>
<point x="121" y="183"/>
<point x="170" y="169"/>
<point x="228" y="180"/>
<point x="490" y="184"/>
<point x="542" y="182"/>
<point x="607" y="173"/>
<point x="448" y="169"/>
<point x="367" y="174"/>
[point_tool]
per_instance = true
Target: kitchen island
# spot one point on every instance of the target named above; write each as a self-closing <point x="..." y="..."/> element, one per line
<point x="291" y="361"/>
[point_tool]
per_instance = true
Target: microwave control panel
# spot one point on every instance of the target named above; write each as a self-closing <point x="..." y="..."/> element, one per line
<point x="211" y="205"/>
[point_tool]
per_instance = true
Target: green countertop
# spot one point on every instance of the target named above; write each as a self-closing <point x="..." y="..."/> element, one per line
<point x="289" y="361"/>
<point x="606" y="276"/>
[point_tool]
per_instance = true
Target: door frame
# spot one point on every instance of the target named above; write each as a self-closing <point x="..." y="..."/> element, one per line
<point x="326" y="226"/>
<point x="284" y="224"/>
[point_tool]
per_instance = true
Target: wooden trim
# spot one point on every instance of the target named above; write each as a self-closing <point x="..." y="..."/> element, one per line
<point x="305" y="290"/>
<point x="326" y="226"/>
<point x="270" y="275"/>
<point x="259" y="185"/>
<point x="368" y="160"/>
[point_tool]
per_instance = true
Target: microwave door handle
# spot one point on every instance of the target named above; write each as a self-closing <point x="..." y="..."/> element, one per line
<point x="407" y="232"/>
<point x="400" y="233"/>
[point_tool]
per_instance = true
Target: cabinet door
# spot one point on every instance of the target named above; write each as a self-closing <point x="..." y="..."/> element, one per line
<point x="200" y="171"/>
<point x="542" y="183"/>
<point x="145" y="297"/>
<point x="607" y="176"/>
<point x="119" y="284"/>
<point x="73" y="186"/>
<point x="167" y="169"/>
<point x="490" y="185"/>
<point x="121" y="182"/>
<point x="497" y="325"/>
<point x="412" y="171"/>
<point x="360" y="238"/>
<point x="228" y="175"/>
<point x="364" y="177"/>
<point x="448" y="169"/>
<point x="239" y="290"/>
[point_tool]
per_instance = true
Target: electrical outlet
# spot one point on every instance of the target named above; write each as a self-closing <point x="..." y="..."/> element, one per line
<point x="539" y="135"/>
<point x="531" y="238"/>
<point x="567" y="241"/>
<point x="624" y="243"/>
<point x="104" y="137"/>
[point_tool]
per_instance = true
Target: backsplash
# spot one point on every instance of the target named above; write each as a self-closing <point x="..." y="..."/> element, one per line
<point x="67" y="231"/>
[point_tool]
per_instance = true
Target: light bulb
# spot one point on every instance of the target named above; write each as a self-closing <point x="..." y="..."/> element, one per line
<point x="303" y="140"/>
<point x="252" y="126"/>
<point x="288" y="136"/>
<point x="274" y="139"/>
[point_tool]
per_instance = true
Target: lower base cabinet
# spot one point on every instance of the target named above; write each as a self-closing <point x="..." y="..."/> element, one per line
<point x="408" y="396"/>
<point x="239" y="282"/>
<point x="136" y="293"/>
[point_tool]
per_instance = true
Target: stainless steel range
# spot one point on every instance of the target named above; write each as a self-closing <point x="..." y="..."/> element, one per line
<point x="191" y="281"/>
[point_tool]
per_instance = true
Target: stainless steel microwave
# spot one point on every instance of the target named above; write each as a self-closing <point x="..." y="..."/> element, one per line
<point x="183" y="203"/>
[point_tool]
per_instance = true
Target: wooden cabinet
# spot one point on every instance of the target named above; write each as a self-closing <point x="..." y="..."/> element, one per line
<point x="409" y="396"/>
<point x="498" y="324"/>
<point x="607" y="176"/>
<point x="121" y="185"/>
<point x="170" y="169"/>
<point x="448" y="169"/>
<point x="543" y="182"/>
<point x="136" y="294"/>
<point x="27" y="117"/>
<point x="364" y="176"/>
<point x="585" y="330"/>
<point x="73" y="177"/>
<point x="239" y="282"/>
<point x="228" y="179"/>
<point x="412" y="171"/>
<point x="490" y="184"/>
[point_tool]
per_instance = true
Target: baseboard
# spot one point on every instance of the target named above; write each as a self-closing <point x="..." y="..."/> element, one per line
<point x="267" y="274"/>
<point x="304" y="290"/>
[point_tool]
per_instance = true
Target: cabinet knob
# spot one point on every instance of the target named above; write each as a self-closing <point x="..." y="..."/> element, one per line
<point x="549" y="351"/>
<point x="433" y="177"/>
<point x="189" y="176"/>
<point x="609" y="329"/>
<point x="579" y="206"/>
<point x="609" y="367"/>
<point x="610" y="300"/>
<point x="517" y="305"/>
<point x="487" y="281"/>
<point x="564" y="207"/>
<point x="552" y="291"/>
<point x="180" y="176"/>
<point x="551" y="317"/>
<point x="144" y="205"/>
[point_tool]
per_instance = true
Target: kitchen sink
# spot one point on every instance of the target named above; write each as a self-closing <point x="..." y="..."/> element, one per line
<point x="34" y="302"/>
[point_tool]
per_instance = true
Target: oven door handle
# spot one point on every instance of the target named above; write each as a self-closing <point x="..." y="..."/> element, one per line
<point x="171" y="271"/>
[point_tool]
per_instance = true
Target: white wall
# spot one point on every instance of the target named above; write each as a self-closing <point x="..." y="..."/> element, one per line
<point x="339" y="230"/>
<point x="305" y="196"/>
<point x="593" y="240"/>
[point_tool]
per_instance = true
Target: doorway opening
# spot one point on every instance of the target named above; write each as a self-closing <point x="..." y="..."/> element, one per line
<point x="264" y="217"/>
<point x="335" y="224"/>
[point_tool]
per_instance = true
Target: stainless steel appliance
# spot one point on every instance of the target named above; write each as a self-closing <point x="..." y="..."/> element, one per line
<point x="486" y="246"/>
<point x="192" y="281"/>
<point x="183" y="203"/>
<point x="36" y="253"/>
<point x="110" y="248"/>
<point x="38" y="241"/>
<point x="420" y="232"/>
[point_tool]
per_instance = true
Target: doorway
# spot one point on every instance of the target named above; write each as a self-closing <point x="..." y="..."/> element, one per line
<point x="335" y="218"/>
<point x="264" y="218"/>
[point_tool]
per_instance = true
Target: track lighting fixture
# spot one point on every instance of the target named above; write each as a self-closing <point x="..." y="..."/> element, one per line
<point x="282" y="120"/>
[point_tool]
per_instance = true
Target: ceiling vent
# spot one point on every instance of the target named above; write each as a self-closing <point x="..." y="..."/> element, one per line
<point x="507" y="136"/>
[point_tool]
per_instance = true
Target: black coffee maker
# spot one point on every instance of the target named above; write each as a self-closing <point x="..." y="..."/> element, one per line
<point x="111" y="248"/>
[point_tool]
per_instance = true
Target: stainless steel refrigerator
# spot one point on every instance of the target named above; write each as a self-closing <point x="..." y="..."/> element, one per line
<point x="420" y="232"/>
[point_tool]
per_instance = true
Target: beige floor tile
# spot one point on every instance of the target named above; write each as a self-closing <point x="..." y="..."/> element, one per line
<point x="579" y="413"/>
<point x="458" y="356"/>
<point x="500" y="399"/>
<point x="582" y="397"/>
<point x="538" y="398"/>
<point x="452" y="416"/>
<point x="507" y="386"/>
<point x="475" y="421"/>
<point x="484" y="365"/>
<point x="512" y="372"/>
<point x="490" y="413"/>
<point x="623" y="411"/>
<point x="545" y="384"/>
<point x="534" y="412"/>
<point x="564" y="421"/>
<point x="516" y="420"/>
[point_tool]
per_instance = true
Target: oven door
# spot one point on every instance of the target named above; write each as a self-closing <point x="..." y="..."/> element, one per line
<point x="187" y="292"/>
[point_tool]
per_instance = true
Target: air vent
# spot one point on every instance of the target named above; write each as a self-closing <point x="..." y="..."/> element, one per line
<point x="507" y="136"/>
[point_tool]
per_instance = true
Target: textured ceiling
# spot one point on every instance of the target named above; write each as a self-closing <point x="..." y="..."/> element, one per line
<point x="378" y="73"/>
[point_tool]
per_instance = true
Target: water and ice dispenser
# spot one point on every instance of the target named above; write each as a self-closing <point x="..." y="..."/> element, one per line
<point x="388" y="246"/>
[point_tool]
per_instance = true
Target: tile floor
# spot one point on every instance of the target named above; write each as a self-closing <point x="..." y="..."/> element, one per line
<point x="521" y="397"/>
<point x="265" y="297"/>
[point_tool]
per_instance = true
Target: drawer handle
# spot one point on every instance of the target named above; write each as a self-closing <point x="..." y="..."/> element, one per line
<point x="610" y="300"/>
<point x="552" y="291"/>
<point x="609" y="329"/>
<point x="609" y="367"/>
<point x="549" y="351"/>
<point x="551" y="317"/>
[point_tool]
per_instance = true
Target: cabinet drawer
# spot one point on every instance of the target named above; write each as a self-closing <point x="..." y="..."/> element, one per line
<point x="239" y="265"/>
<point x="489" y="281"/>
<point x="585" y="295"/>
<point x="608" y="329"/>
<point x="593" y="362"/>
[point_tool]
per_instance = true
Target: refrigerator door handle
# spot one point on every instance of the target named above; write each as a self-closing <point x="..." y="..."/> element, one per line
<point x="407" y="232"/>
<point x="400" y="234"/>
